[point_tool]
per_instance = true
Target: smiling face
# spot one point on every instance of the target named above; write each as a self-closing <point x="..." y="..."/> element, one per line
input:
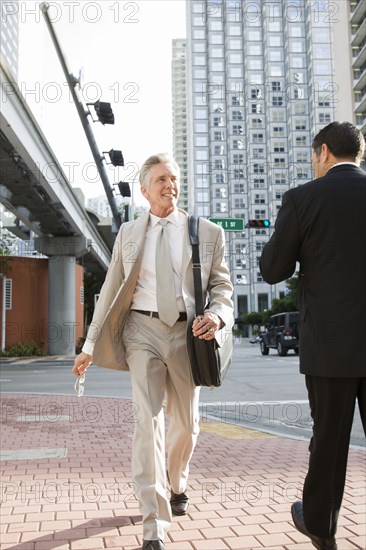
<point x="163" y="191"/>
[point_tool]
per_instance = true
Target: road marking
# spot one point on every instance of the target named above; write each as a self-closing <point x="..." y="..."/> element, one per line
<point x="269" y="401"/>
<point x="42" y="418"/>
<point x="32" y="454"/>
<point x="232" y="432"/>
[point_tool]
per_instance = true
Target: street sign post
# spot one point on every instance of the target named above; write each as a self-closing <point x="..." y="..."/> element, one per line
<point x="229" y="224"/>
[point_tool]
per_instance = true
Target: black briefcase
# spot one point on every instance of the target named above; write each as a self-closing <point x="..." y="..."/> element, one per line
<point x="209" y="359"/>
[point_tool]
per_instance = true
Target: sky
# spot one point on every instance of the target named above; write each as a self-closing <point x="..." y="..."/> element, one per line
<point x="123" y="50"/>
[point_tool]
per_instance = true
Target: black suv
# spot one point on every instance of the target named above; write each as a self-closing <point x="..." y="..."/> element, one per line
<point x="281" y="333"/>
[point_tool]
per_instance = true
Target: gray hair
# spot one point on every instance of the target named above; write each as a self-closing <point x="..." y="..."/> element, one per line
<point x="160" y="158"/>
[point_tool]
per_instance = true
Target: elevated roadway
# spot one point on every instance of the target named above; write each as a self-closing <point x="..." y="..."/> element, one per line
<point x="35" y="189"/>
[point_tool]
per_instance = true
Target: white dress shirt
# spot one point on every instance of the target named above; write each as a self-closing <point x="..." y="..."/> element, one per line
<point x="145" y="293"/>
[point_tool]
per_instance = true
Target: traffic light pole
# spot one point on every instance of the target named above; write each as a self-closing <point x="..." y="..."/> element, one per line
<point x="72" y="81"/>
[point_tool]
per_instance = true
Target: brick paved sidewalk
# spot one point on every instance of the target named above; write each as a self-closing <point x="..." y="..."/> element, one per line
<point x="66" y="483"/>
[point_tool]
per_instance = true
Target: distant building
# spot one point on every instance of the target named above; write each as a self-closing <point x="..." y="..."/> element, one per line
<point x="179" y="102"/>
<point x="9" y="34"/>
<point x="260" y="83"/>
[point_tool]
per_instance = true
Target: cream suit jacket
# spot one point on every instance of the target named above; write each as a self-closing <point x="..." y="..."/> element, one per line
<point x="115" y="298"/>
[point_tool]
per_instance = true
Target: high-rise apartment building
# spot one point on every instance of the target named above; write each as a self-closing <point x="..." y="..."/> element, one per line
<point x="358" y="45"/>
<point x="179" y="103"/>
<point x="9" y="34"/>
<point x="259" y="86"/>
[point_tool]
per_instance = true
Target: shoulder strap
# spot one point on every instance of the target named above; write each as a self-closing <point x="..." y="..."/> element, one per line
<point x="193" y="223"/>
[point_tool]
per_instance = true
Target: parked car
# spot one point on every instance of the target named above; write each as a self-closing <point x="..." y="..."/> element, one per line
<point x="281" y="333"/>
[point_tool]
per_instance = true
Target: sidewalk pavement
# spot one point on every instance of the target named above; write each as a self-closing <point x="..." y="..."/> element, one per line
<point x="66" y="482"/>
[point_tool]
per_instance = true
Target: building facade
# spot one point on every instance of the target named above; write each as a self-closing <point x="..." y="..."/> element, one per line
<point x="179" y="104"/>
<point x="259" y="86"/>
<point x="358" y="45"/>
<point x="9" y="34"/>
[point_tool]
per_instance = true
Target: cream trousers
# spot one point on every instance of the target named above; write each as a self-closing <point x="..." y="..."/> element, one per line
<point x="158" y="361"/>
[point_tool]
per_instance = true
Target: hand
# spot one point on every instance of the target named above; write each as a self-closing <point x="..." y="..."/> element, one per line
<point x="81" y="363"/>
<point x="206" y="327"/>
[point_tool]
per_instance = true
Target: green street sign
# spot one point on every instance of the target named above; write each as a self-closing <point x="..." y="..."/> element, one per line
<point x="229" y="224"/>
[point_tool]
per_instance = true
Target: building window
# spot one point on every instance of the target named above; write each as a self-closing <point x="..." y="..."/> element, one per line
<point x="219" y="136"/>
<point x="238" y="144"/>
<point x="258" y="168"/>
<point x="302" y="157"/>
<point x="238" y="129"/>
<point x="324" y="118"/>
<point x="258" y="152"/>
<point x="277" y="101"/>
<point x="259" y="199"/>
<point x="300" y="124"/>
<point x="218" y="121"/>
<point x="239" y="203"/>
<point x="219" y="150"/>
<point x="239" y="187"/>
<point x="257" y="122"/>
<point x="238" y="158"/>
<point x="236" y="101"/>
<point x="300" y="140"/>
<point x="199" y="60"/>
<point x="8" y="293"/>
<point x="262" y="302"/>
<point x="238" y="174"/>
<point x="220" y="178"/>
<point x="219" y="164"/>
<point x="237" y="115"/>
<point x="259" y="277"/>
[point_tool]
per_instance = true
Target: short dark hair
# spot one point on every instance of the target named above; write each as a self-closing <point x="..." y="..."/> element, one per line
<point x="343" y="139"/>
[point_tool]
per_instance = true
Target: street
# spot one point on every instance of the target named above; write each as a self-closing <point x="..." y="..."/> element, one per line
<point x="266" y="393"/>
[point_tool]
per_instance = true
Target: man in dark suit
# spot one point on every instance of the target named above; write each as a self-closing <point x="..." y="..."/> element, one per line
<point x="140" y="324"/>
<point x="322" y="225"/>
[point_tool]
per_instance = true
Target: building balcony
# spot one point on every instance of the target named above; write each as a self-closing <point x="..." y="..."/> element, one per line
<point x="358" y="38"/>
<point x="358" y="11"/>
<point x="360" y="60"/>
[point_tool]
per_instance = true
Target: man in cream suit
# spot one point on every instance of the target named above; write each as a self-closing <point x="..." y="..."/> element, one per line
<point x="128" y="333"/>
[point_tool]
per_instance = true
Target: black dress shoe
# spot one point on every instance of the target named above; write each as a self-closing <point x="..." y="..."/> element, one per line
<point x="179" y="504"/>
<point x="318" y="542"/>
<point x="153" y="545"/>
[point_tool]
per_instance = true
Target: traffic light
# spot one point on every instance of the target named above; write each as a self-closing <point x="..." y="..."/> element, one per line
<point x="104" y="112"/>
<point x="258" y="223"/>
<point x="116" y="157"/>
<point x="124" y="188"/>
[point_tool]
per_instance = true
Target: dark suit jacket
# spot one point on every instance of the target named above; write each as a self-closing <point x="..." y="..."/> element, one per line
<point x="322" y="225"/>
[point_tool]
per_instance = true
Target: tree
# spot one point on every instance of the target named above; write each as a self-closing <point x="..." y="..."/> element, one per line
<point x="253" y="319"/>
<point x="289" y="302"/>
<point x="92" y="286"/>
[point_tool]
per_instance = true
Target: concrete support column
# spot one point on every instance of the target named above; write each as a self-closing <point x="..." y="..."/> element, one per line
<point x="61" y="305"/>
<point x="62" y="253"/>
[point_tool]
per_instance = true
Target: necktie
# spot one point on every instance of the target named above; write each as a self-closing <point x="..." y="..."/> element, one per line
<point x="165" y="289"/>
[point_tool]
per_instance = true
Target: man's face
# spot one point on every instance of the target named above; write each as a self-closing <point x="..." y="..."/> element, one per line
<point x="163" y="191"/>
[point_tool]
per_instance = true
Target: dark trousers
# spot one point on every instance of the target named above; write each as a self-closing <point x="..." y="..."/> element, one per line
<point x="332" y="405"/>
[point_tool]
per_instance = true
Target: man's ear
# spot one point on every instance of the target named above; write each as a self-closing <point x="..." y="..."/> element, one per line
<point x="325" y="152"/>
<point x="144" y="192"/>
